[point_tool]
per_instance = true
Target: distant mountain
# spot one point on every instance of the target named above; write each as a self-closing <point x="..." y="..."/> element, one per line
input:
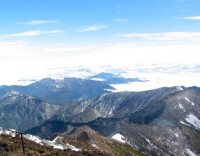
<point x="21" y="112"/>
<point x="164" y="121"/>
<point x="110" y="78"/>
<point x="61" y="92"/>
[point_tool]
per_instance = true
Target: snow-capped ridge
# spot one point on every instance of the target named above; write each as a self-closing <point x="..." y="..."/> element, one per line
<point x="56" y="143"/>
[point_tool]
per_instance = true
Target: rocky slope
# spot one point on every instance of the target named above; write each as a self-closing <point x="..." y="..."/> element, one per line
<point x="113" y="105"/>
<point x="89" y="140"/>
<point x="21" y="112"/>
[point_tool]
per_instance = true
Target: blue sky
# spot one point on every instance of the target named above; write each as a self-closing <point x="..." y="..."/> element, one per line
<point x="73" y="15"/>
<point x="40" y="38"/>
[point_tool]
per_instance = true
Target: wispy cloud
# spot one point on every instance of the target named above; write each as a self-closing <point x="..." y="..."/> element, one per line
<point x="188" y="0"/>
<point x="192" y="18"/>
<point x="166" y="36"/>
<point x="38" y="22"/>
<point x="93" y="28"/>
<point x="35" y="33"/>
<point x="121" y="20"/>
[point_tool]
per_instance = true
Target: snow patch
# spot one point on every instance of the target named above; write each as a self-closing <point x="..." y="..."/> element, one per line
<point x="150" y="143"/>
<point x="10" y="132"/>
<point x="187" y="99"/>
<point x="180" y="88"/>
<point x="120" y="138"/>
<point x="190" y="152"/>
<point x="97" y="79"/>
<point x="95" y="146"/>
<point x="184" y="123"/>
<point x="57" y="86"/>
<point x="2" y="115"/>
<point x="181" y="106"/>
<point x="176" y="135"/>
<point x="193" y="120"/>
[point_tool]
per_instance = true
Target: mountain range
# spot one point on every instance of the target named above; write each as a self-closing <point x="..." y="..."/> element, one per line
<point x="164" y="121"/>
<point x="61" y="92"/>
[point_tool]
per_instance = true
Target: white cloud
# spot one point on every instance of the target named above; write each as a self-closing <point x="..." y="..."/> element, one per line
<point x="192" y="18"/>
<point x="38" y="22"/>
<point x="167" y="36"/>
<point x="93" y="28"/>
<point x="121" y="20"/>
<point x="189" y="0"/>
<point x="35" y="33"/>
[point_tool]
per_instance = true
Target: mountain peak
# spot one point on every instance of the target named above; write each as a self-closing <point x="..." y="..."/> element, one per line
<point x="12" y="93"/>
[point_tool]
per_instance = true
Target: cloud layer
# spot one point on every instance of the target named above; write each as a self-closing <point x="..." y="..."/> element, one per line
<point x="164" y="65"/>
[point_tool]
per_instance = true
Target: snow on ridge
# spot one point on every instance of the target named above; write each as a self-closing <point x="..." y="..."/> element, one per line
<point x="190" y="152"/>
<point x="193" y="120"/>
<point x="10" y="132"/>
<point x="33" y="138"/>
<point x="56" y="143"/>
<point x="120" y="138"/>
